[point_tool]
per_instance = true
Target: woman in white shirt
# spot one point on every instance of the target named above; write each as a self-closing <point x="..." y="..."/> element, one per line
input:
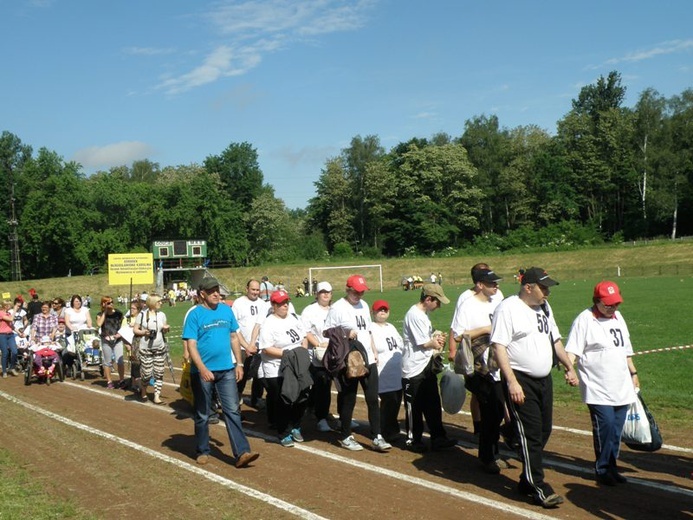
<point x="281" y="332"/>
<point x="76" y="316"/>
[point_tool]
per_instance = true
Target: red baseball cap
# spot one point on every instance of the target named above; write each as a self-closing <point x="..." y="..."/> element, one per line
<point x="280" y="296"/>
<point x="379" y="305"/>
<point x="608" y="293"/>
<point x="357" y="283"/>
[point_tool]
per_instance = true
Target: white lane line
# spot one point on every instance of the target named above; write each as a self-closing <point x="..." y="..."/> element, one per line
<point x="403" y="477"/>
<point x="228" y="483"/>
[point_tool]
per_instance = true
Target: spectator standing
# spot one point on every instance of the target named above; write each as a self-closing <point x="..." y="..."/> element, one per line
<point x="151" y="327"/>
<point x="388" y="342"/>
<point x="313" y="321"/>
<point x="8" y="347"/>
<point x="352" y="314"/>
<point x="266" y="289"/>
<point x="525" y="337"/>
<point x="600" y="340"/>
<point x="210" y="330"/>
<point x="77" y="317"/>
<point x="109" y="321"/>
<point x="44" y="324"/>
<point x="34" y="307"/>
<point x="419" y="381"/>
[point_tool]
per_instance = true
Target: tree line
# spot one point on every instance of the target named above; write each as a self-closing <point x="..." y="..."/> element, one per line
<point x="610" y="172"/>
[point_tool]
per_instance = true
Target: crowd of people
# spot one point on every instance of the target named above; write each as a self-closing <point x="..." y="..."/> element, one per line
<point x="295" y="360"/>
<point x="515" y="342"/>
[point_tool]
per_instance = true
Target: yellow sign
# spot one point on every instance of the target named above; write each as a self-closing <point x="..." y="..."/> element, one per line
<point x="6" y="296"/>
<point x="137" y="268"/>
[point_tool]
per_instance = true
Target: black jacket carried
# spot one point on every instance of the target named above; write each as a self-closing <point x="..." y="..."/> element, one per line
<point x="295" y="371"/>
<point x="338" y="348"/>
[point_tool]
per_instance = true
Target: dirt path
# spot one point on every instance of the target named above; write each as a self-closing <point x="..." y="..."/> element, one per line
<point x="118" y="480"/>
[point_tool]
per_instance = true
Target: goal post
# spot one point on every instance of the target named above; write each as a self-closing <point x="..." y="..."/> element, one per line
<point x="333" y="275"/>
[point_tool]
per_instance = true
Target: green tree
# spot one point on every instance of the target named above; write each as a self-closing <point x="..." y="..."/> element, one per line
<point x="331" y="210"/>
<point x="488" y="147"/>
<point x="239" y="171"/>
<point x="356" y="160"/>
<point x="436" y="203"/>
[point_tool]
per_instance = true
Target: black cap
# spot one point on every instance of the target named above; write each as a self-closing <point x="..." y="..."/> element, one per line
<point x="538" y="275"/>
<point x="485" y="275"/>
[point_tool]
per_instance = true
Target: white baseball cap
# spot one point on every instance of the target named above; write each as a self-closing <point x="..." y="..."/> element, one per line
<point x="324" y="286"/>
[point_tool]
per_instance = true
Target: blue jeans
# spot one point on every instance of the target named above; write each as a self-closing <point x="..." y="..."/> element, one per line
<point x="225" y="384"/>
<point x="8" y="346"/>
<point x="607" y="427"/>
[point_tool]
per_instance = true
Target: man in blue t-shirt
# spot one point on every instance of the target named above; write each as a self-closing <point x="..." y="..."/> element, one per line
<point x="210" y="330"/>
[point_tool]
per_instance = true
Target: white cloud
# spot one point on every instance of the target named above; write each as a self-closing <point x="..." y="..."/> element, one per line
<point x="308" y="155"/>
<point x="115" y="154"/>
<point x="425" y="115"/>
<point x="661" y="49"/>
<point x="148" y="51"/>
<point x="253" y="29"/>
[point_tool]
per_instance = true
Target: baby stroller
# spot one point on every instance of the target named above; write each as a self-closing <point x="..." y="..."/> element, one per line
<point x="43" y="361"/>
<point x="88" y="353"/>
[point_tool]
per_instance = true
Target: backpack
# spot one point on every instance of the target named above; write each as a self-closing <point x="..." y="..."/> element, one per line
<point x="355" y="365"/>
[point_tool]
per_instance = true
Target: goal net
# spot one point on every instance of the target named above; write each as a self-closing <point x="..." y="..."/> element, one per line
<point x="337" y="275"/>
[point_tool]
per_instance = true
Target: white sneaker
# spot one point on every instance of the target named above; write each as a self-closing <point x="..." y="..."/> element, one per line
<point x="380" y="444"/>
<point x="323" y="426"/>
<point x="350" y="444"/>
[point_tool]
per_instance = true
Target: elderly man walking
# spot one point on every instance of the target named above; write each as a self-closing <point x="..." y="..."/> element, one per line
<point x="210" y="332"/>
<point x="524" y="337"/>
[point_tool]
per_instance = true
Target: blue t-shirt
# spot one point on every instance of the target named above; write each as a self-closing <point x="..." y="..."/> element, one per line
<point x="212" y="330"/>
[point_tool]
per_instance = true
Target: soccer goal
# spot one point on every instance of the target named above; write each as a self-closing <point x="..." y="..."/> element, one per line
<point x="337" y="275"/>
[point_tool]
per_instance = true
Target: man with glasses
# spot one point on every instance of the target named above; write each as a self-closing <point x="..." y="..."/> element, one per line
<point x="524" y="337"/>
<point x="210" y="330"/>
<point x="419" y="380"/>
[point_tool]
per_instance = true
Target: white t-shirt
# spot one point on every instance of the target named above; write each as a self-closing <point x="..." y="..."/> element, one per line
<point x="284" y="333"/>
<point x="313" y="321"/>
<point x="416" y="331"/>
<point x="352" y="317"/>
<point x="249" y="313"/>
<point x="472" y="314"/>
<point x="525" y="333"/>
<point x="602" y="346"/>
<point x="76" y="319"/>
<point x="150" y="320"/>
<point x="497" y="298"/>
<point x="389" y="345"/>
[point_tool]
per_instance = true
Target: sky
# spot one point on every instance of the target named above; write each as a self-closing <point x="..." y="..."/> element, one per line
<point x="106" y="83"/>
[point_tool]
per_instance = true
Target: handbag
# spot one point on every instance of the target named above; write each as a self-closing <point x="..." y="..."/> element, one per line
<point x="185" y="388"/>
<point x="464" y="358"/>
<point x="640" y="431"/>
<point x="355" y="365"/>
<point x="452" y="391"/>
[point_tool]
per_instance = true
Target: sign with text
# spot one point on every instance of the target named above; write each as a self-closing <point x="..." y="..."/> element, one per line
<point x="137" y="268"/>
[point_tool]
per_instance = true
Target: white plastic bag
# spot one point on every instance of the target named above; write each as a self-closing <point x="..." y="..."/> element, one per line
<point x="637" y="427"/>
<point x="641" y="431"/>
